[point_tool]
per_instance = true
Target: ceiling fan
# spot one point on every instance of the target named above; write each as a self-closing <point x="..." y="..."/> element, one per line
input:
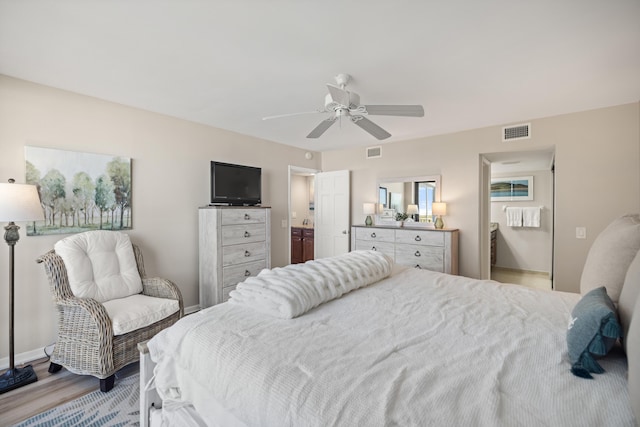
<point x="343" y="103"/>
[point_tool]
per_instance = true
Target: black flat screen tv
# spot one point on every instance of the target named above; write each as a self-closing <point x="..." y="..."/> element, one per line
<point x="235" y="185"/>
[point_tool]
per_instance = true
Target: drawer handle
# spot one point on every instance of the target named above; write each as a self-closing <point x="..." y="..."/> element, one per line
<point x="373" y="248"/>
<point x="246" y="234"/>
<point x="373" y="235"/>
<point x="246" y="253"/>
<point x="417" y="239"/>
<point x="418" y="267"/>
<point x="417" y="253"/>
<point x="247" y="273"/>
<point x="247" y="216"/>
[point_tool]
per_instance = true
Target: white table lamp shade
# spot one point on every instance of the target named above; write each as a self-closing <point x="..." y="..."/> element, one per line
<point x="412" y="209"/>
<point x="369" y="208"/>
<point x="19" y="202"/>
<point x="439" y="208"/>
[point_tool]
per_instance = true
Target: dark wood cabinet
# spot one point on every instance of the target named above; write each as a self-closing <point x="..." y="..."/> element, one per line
<point x="296" y="245"/>
<point x="493" y="247"/>
<point x="301" y="244"/>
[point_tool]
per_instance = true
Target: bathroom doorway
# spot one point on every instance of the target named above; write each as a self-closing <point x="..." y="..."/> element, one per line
<point x="515" y="251"/>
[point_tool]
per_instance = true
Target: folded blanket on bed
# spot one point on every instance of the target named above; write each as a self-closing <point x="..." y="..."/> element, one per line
<point x="290" y="291"/>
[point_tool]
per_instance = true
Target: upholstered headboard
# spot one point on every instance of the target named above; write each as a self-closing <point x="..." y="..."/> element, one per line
<point x="629" y="313"/>
<point x="614" y="262"/>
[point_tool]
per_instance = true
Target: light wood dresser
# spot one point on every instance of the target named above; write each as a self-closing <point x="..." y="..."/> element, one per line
<point x="435" y="250"/>
<point x="235" y="243"/>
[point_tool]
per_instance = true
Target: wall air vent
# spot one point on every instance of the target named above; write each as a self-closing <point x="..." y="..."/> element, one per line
<point x="374" y="152"/>
<point x="516" y="132"/>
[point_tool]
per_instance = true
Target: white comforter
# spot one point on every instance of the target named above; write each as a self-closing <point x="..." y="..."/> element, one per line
<point x="417" y="349"/>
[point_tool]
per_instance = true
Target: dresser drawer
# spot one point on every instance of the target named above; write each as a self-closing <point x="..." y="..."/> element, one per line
<point x="225" y="292"/>
<point x="375" y="234"/>
<point x="243" y="216"/>
<point x="243" y="252"/>
<point x="384" y="247"/>
<point x="427" y="257"/>
<point x="246" y="233"/>
<point x="420" y="237"/>
<point x="237" y="273"/>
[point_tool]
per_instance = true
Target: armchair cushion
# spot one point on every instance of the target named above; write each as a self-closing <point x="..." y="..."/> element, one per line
<point x="100" y="265"/>
<point x="138" y="311"/>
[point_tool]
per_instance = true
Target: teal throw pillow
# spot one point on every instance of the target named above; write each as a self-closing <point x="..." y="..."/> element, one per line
<point x="593" y="331"/>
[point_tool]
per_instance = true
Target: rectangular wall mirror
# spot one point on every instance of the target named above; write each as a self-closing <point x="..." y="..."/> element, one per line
<point x="413" y="195"/>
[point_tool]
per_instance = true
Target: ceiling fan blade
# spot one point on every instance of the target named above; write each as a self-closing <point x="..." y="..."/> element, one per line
<point x="292" y="114"/>
<point x="339" y="95"/>
<point x="370" y="127"/>
<point x="395" y="110"/>
<point x="322" y="127"/>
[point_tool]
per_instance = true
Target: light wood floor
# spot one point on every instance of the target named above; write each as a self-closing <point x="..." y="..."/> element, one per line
<point x="532" y="279"/>
<point x="49" y="391"/>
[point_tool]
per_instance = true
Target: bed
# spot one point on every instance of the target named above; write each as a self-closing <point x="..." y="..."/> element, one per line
<point x="401" y="346"/>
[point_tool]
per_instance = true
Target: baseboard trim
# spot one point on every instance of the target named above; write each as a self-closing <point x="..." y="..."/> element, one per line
<point x="23" y="358"/>
<point x="31" y="355"/>
<point x="544" y="274"/>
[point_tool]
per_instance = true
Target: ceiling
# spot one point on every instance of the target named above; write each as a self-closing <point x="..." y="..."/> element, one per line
<point x="228" y="64"/>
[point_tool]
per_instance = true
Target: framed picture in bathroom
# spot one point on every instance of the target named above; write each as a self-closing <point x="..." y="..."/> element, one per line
<point x="512" y="188"/>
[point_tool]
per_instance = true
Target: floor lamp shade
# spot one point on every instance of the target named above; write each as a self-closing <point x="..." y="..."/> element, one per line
<point x="18" y="202"/>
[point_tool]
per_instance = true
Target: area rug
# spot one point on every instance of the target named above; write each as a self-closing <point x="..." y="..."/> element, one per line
<point x="117" y="408"/>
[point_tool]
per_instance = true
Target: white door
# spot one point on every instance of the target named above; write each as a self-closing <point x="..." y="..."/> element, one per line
<point x="331" y="213"/>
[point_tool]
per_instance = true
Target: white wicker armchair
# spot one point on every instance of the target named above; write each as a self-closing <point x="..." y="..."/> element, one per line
<point x="86" y="343"/>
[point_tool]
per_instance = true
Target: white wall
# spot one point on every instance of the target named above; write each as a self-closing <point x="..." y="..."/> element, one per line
<point x="597" y="164"/>
<point x="524" y="248"/>
<point x="170" y="167"/>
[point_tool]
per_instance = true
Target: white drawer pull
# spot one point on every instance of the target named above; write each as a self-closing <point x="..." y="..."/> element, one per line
<point x="246" y="253"/>
<point x="373" y="235"/>
<point x="417" y="253"/>
<point x="246" y="234"/>
<point x="373" y="248"/>
<point x="247" y="216"/>
<point x="418" y="266"/>
<point x="247" y="273"/>
<point x="417" y="239"/>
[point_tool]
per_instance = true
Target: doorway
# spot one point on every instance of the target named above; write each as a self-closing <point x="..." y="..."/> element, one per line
<point x="513" y="251"/>
<point x="323" y="200"/>
<point x="301" y="213"/>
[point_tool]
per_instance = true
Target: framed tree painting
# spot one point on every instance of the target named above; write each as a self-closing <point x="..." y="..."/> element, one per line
<point x="79" y="191"/>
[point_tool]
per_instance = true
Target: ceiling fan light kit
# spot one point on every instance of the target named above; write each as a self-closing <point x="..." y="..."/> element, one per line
<point x="343" y="103"/>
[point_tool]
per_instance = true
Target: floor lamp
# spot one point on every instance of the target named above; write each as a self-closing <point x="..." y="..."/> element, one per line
<point x="18" y="202"/>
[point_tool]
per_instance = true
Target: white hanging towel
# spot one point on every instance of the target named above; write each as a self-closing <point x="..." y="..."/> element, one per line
<point x="514" y="217"/>
<point x="531" y="217"/>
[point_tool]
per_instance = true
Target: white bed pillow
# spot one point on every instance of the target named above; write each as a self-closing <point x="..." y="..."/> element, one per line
<point x="610" y="256"/>
<point x="290" y="291"/>
<point x="633" y="358"/>
<point x="629" y="296"/>
<point x="100" y="265"/>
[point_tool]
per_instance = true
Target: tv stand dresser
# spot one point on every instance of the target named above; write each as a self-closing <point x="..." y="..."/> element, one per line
<point x="234" y="243"/>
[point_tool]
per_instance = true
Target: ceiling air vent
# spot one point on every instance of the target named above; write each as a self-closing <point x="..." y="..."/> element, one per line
<point x="374" y="152"/>
<point x="516" y="132"/>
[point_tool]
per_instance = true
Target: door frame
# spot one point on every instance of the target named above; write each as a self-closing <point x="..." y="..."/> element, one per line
<point x="484" y="214"/>
<point x="294" y="170"/>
